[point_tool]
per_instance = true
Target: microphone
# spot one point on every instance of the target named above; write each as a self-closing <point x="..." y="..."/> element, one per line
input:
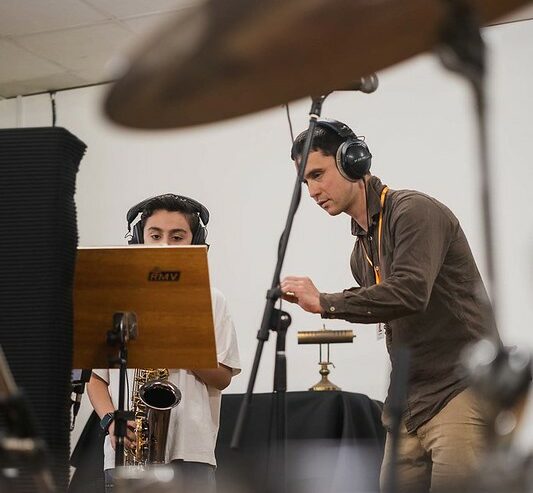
<point x="366" y="84"/>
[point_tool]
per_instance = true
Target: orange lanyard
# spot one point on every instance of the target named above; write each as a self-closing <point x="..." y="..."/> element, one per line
<point x="377" y="272"/>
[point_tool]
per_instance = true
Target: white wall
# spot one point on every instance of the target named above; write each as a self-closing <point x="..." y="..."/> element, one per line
<point x="420" y="127"/>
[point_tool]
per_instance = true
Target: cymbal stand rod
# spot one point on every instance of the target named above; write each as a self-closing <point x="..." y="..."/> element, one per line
<point x="463" y="51"/>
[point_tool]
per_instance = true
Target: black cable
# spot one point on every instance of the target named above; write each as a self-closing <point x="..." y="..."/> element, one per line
<point x="287" y="110"/>
<point x="128" y="392"/>
<point x="289" y="120"/>
<point x="53" y="101"/>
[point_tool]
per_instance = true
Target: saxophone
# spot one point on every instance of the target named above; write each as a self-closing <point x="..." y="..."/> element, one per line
<point x="152" y="399"/>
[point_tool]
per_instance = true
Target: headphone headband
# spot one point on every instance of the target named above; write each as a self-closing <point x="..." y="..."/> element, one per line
<point x="341" y="129"/>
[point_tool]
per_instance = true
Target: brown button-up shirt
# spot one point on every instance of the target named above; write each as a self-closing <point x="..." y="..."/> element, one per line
<point x="431" y="294"/>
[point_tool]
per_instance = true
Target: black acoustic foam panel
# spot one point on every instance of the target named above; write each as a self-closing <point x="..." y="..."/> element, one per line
<point x="38" y="240"/>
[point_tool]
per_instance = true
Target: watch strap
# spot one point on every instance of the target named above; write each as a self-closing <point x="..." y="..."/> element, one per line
<point x="106" y="421"/>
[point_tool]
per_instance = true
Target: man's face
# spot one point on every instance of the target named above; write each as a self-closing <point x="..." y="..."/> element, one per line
<point x="326" y="185"/>
<point x="167" y="228"/>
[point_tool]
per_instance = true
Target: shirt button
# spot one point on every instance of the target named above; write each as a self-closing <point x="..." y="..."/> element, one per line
<point x="369" y="312"/>
<point x="331" y="308"/>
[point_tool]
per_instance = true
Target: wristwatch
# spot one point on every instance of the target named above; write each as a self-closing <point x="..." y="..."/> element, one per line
<point x="106" y="421"/>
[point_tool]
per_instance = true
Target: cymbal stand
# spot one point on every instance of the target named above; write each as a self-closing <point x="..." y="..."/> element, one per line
<point x="124" y="330"/>
<point x="273" y="318"/>
<point x="21" y="447"/>
<point x="462" y="50"/>
<point x="397" y="404"/>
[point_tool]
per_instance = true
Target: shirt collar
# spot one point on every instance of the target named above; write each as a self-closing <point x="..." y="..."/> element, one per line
<point x="374" y="189"/>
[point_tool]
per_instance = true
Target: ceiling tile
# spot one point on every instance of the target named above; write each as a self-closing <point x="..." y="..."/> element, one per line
<point x="146" y="23"/>
<point x="129" y="8"/>
<point x="80" y="48"/>
<point x="17" y="64"/>
<point x="93" y="75"/>
<point x="60" y="80"/>
<point x="31" y="16"/>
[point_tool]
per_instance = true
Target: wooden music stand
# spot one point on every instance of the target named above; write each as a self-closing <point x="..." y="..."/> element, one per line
<point x="168" y="290"/>
<point x="142" y="307"/>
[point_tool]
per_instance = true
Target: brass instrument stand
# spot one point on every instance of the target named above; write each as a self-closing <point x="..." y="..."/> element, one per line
<point x="324" y="383"/>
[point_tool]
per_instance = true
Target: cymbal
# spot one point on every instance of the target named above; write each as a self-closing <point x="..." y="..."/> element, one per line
<point x="225" y="58"/>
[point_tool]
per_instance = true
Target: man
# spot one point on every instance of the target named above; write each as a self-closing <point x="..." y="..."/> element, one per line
<point x="176" y="220"/>
<point x="417" y="274"/>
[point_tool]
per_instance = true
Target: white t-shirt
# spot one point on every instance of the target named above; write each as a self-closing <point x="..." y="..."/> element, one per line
<point x="194" y="422"/>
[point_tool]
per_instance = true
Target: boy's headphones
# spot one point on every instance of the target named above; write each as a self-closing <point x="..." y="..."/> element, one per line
<point x="353" y="156"/>
<point x="199" y="236"/>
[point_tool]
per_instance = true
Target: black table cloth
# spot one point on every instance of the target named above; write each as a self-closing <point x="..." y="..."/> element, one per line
<point x="335" y="443"/>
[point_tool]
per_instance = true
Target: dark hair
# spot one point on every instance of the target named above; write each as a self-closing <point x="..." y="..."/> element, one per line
<point x="324" y="139"/>
<point x="171" y="203"/>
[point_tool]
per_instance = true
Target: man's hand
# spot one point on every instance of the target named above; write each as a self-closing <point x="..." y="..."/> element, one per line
<point x="301" y="290"/>
<point x="129" y="440"/>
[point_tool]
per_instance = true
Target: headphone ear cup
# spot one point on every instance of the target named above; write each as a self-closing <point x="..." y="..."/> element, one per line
<point x="136" y="235"/>
<point x="353" y="159"/>
<point x="200" y="236"/>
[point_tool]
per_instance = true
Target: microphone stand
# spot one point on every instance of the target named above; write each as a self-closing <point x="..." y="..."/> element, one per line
<point x="79" y="378"/>
<point x="274" y="319"/>
<point x="124" y="329"/>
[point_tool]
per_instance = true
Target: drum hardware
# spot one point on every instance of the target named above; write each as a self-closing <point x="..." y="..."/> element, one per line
<point x="225" y="59"/>
<point x="151" y="478"/>
<point x="502" y="378"/>
<point x="325" y="337"/>
<point x="20" y="447"/>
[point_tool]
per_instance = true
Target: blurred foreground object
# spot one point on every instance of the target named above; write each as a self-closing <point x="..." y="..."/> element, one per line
<point x="224" y="59"/>
<point x="502" y="377"/>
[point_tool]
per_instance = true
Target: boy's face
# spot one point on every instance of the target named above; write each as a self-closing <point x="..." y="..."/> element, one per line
<point x="167" y="228"/>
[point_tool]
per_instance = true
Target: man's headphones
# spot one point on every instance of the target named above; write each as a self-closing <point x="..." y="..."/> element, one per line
<point x="353" y="157"/>
<point x="199" y="236"/>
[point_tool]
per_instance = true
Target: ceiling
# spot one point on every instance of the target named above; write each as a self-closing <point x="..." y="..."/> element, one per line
<point x="55" y="44"/>
<point x="50" y="45"/>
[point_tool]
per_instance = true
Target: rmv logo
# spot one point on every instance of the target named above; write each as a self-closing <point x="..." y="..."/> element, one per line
<point x="164" y="275"/>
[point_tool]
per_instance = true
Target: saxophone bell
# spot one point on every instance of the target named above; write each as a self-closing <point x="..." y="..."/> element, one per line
<point x="159" y="396"/>
<point x="152" y="400"/>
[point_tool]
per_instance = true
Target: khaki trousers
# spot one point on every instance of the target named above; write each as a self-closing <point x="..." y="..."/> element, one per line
<point x="443" y="452"/>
